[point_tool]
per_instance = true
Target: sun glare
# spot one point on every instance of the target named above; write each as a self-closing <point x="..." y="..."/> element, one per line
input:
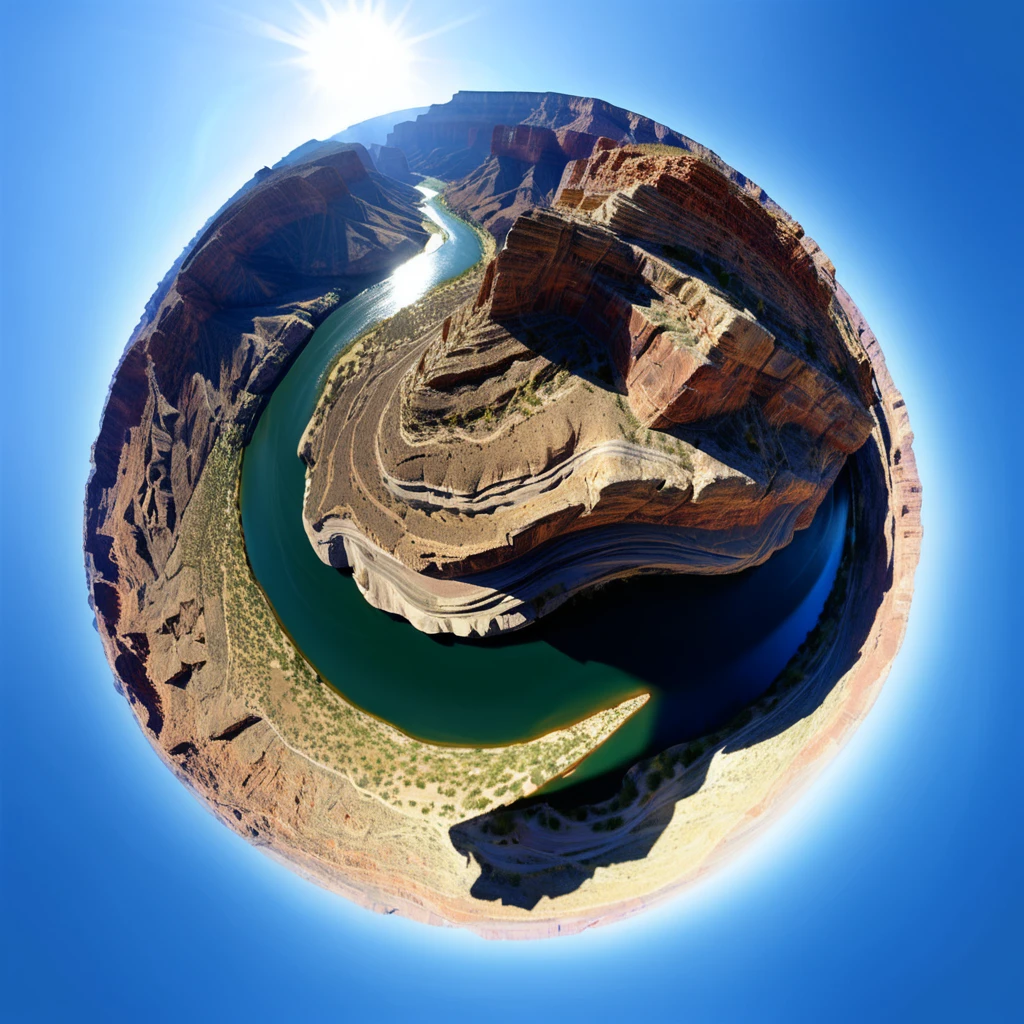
<point x="354" y="50"/>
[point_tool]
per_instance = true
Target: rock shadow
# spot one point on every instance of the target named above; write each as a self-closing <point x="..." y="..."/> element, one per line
<point x="586" y="350"/>
<point x="548" y="845"/>
<point x="568" y="346"/>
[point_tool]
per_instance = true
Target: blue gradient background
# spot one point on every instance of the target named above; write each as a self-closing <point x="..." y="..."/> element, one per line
<point x="893" y="889"/>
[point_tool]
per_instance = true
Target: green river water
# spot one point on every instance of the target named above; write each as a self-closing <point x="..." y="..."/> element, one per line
<point x="702" y="647"/>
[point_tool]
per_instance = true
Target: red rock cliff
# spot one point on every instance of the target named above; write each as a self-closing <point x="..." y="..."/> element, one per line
<point x="658" y="356"/>
<point x="454" y="138"/>
<point x="221" y="332"/>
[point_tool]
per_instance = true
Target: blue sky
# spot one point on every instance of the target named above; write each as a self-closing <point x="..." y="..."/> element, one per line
<point x="893" y="889"/>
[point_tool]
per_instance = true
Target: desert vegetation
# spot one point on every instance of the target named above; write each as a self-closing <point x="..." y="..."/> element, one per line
<point x="441" y="782"/>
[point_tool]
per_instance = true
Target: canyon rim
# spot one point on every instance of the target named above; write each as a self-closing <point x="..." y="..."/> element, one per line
<point x="651" y="359"/>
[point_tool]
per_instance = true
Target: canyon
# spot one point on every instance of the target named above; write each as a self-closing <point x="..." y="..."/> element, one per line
<point x="216" y="337"/>
<point x="657" y="366"/>
<point x="654" y="375"/>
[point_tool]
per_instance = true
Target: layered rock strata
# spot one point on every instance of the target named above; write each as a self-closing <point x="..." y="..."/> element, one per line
<point x="453" y="138"/>
<point x="384" y="159"/>
<point x="228" y="715"/>
<point x="656" y="375"/>
<point x="504" y="152"/>
<point x="214" y="342"/>
<point x="523" y="172"/>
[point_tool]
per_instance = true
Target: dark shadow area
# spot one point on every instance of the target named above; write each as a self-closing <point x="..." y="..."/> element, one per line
<point x="704" y="646"/>
<point x="743" y="439"/>
<point x="566" y="344"/>
<point x="547" y="845"/>
<point x="475" y="385"/>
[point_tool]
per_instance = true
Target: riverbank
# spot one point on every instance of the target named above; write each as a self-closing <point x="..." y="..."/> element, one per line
<point x="211" y="677"/>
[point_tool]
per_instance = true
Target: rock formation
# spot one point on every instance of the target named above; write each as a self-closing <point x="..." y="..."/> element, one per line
<point x="319" y="151"/>
<point x="219" y="689"/>
<point x="214" y="343"/>
<point x="392" y="162"/>
<point x="522" y="172"/>
<point x="452" y="139"/>
<point x="504" y="152"/>
<point x="375" y="130"/>
<point x="655" y="375"/>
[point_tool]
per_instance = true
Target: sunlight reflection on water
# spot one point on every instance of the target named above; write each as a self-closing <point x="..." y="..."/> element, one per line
<point x="412" y="279"/>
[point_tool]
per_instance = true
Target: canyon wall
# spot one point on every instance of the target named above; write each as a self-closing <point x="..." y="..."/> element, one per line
<point x="655" y="375"/>
<point x="483" y="144"/>
<point x="211" y="347"/>
<point x="195" y="369"/>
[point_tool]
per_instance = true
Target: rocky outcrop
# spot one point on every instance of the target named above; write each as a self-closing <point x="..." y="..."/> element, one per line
<point x="375" y="130"/>
<point x="452" y="139"/>
<point x="392" y="162"/>
<point x="503" y="152"/>
<point x="214" y="342"/>
<point x="785" y="341"/>
<point x="375" y="157"/>
<point x="233" y="719"/>
<point x="656" y="375"/>
<point x="523" y="171"/>
<point x="328" y="219"/>
<point x="533" y="145"/>
<point x="315" y="150"/>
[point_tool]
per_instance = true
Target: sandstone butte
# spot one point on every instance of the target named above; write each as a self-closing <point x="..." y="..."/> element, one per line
<point x="655" y="375"/>
<point x="226" y="700"/>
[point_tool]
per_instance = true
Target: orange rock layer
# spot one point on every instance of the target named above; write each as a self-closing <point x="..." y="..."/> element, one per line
<point x="216" y="337"/>
<point x="497" y="453"/>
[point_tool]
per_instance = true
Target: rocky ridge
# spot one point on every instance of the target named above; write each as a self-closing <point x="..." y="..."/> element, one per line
<point x="503" y="152"/>
<point x="523" y="172"/>
<point x="452" y="139"/>
<point x="166" y="637"/>
<point x="654" y="375"/>
<point x="215" y="340"/>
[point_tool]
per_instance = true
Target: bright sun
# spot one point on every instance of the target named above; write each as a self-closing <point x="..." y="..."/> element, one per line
<point x="353" y="51"/>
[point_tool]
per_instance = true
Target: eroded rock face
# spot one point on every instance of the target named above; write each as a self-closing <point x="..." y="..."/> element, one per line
<point x="212" y="344"/>
<point x="392" y="162"/>
<point x="505" y="152"/>
<point x="453" y="138"/>
<point x="751" y="317"/>
<point x="655" y="375"/>
<point x="523" y="172"/>
<point x="178" y="637"/>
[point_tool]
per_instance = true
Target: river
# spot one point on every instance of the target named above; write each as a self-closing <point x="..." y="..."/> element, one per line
<point x="702" y="647"/>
